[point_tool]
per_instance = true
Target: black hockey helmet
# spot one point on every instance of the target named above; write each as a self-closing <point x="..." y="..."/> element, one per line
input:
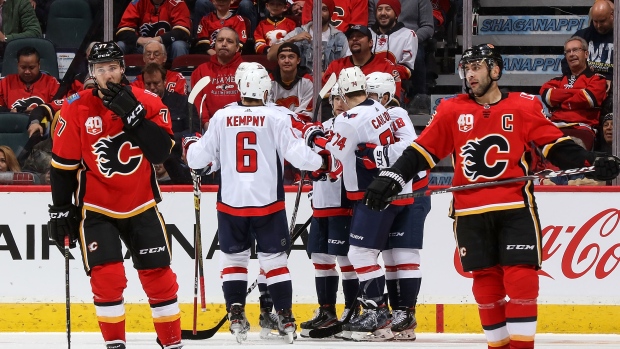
<point x="485" y="52"/>
<point x="106" y="52"/>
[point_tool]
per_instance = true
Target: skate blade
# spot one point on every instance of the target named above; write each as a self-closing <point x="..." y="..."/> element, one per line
<point x="346" y="335"/>
<point x="289" y="338"/>
<point x="240" y="336"/>
<point x="305" y="332"/>
<point x="267" y="333"/>
<point x="406" y="335"/>
<point x="380" y="335"/>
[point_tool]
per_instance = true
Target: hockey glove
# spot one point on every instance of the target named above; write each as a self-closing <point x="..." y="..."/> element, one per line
<point x="63" y="222"/>
<point x="389" y="183"/>
<point x="189" y="140"/>
<point x="606" y="167"/>
<point x="122" y="102"/>
<point x="372" y="156"/>
<point x="332" y="166"/>
<point x="310" y="131"/>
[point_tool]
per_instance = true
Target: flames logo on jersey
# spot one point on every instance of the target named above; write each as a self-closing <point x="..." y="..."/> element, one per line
<point x="382" y="40"/>
<point x="117" y="155"/>
<point x="275" y="36"/>
<point x="289" y="102"/>
<point x="152" y="30"/>
<point x="475" y="155"/>
<point x="21" y="105"/>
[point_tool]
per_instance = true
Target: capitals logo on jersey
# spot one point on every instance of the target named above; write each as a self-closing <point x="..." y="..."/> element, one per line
<point x="481" y="157"/>
<point x="152" y="30"/>
<point x="22" y="104"/>
<point x="117" y="155"/>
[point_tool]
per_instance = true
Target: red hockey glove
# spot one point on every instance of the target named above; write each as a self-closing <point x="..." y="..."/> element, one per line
<point x="310" y="131"/>
<point x="189" y="140"/>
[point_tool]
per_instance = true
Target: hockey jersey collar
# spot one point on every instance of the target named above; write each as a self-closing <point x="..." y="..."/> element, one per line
<point x="395" y="28"/>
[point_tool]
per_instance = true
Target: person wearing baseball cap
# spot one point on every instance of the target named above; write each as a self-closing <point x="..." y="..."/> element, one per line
<point x="292" y="82"/>
<point x="358" y="28"/>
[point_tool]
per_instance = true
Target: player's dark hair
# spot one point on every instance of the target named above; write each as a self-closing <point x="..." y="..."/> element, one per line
<point x="28" y="51"/>
<point x="355" y="94"/>
<point x="153" y="68"/>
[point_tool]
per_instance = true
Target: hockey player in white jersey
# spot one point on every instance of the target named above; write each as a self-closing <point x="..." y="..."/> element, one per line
<point x="328" y="241"/>
<point x="402" y="256"/>
<point x="250" y="142"/>
<point x="366" y="121"/>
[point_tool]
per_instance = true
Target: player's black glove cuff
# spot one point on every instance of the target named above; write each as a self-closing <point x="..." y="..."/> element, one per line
<point x="606" y="167"/>
<point x="63" y="222"/>
<point x="122" y="102"/>
<point x="389" y="183"/>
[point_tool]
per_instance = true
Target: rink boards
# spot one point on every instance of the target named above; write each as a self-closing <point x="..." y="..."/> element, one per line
<point x="579" y="280"/>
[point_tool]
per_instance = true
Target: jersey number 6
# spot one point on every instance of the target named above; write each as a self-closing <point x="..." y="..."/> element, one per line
<point x="247" y="159"/>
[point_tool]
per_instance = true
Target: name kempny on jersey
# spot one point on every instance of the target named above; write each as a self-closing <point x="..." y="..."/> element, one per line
<point x="245" y="120"/>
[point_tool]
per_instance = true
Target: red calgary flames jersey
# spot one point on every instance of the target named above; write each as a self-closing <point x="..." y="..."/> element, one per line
<point x="269" y="32"/>
<point x="488" y="143"/>
<point x="142" y="17"/>
<point x="175" y="82"/>
<point x="15" y="94"/>
<point x="115" y="178"/>
<point x="346" y="12"/>
<point x="210" y="25"/>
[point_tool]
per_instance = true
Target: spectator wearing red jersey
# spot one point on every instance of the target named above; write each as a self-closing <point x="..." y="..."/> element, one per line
<point x="165" y="21"/>
<point x="222" y="66"/>
<point x="211" y="24"/>
<point x="155" y="52"/>
<point x="274" y="28"/>
<point x="29" y="88"/>
<point x="345" y="14"/>
<point x="575" y="98"/>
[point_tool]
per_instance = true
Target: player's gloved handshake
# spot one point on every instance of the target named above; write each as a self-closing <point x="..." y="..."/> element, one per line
<point x="372" y="156"/>
<point x="314" y="135"/>
<point x="63" y="222"/>
<point x="389" y="183"/>
<point x="606" y="167"/>
<point x="122" y="102"/>
<point x="331" y="169"/>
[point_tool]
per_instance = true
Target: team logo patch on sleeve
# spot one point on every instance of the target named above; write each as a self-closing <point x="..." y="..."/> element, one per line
<point x="74" y="97"/>
<point x="94" y="125"/>
<point x="465" y="122"/>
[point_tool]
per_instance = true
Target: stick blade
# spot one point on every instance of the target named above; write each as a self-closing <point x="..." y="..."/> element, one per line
<point x="203" y="334"/>
<point x="326" y="332"/>
<point x="328" y="85"/>
<point x="200" y="85"/>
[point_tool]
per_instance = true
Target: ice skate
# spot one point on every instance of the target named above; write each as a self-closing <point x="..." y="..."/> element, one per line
<point x="268" y="322"/>
<point x="116" y="345"/>
<point x="324" y="316"/>
<point x="239" y="325"/>
<point x="346" y="334"/>
<point x="286" y="325"/>
<point x="373" y="324"/>
<point x="404" y="324"/>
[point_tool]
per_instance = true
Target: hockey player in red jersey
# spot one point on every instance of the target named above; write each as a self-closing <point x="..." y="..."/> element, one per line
<point x="487" y="133"/>
<point x="104" y="191"/>
<point x="250" y="141"/>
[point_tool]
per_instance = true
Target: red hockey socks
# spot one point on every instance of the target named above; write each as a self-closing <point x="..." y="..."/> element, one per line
<point x="161" y="287"/>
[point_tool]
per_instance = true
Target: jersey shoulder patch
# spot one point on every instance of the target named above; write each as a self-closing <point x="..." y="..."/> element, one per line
<point x="74" y="97"/>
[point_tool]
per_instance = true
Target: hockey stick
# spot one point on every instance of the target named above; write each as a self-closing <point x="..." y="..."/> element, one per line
<point x="67" y="293"/>
<point x="545" y="174"/>
<point x="198" y="262"/>
<point x="322" y="93"/>
<point x="208" y="333"/>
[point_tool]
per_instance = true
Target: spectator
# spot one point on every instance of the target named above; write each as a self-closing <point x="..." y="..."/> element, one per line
<point x="360" y="44"/>
<point x="349" y="12"/>
<point x="155" y="52"/>
<point x="8" y="160"/>
<point x="297" y="8"/>
<point x="608" y="134"/>
<point x="19" y="21"/>
<point x="334" y="42"/>
<point x="292" y="84"/>
<point x="574" y="99"/>
<point x="416" y="15"/>
<point x="162" y="175"/>
<point x="29" y="88"/>
<point x="392" y="40"/>
<point x="221" y="68"/>
<point x="165" y="21"/>
<point x="274" y="28"/>
<point x="440" y="12"/>
<point x="211" y="24"/>
<point x="198" y="9"/>
<point x="246" y="9"/>
<point x="154" y="81"/>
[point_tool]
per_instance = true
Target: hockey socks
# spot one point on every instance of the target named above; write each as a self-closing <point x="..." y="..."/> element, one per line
<point x="326" y="289"/>
<point x="408" y="290"/>
<point x="234" y="292"/>
<point x="265" y="301"/>
<point x="350" y="288"/>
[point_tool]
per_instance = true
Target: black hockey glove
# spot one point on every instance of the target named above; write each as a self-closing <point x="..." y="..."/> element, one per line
<point x="389" y="183"/>
<point x="606" y="167"/>
<point x="122" y="102"/>
<point x="372" y="156"/>
<point x="63" y="222"/>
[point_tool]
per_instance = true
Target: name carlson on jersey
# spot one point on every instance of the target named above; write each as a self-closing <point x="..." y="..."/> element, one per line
<point x="245" y="120"/>
<point x="380" y="120"/>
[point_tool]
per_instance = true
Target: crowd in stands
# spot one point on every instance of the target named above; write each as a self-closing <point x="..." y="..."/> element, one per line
<point x="391" y="36"/>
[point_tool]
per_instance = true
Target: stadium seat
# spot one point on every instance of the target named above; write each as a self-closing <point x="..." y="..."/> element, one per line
<point x="186" y="64"/>
<point x="262" y="59"/>
<point x="68" y="22"/>
<point x="134" y="62"/>
<point x="47" y="52"/>
<point x="14" y="131"/>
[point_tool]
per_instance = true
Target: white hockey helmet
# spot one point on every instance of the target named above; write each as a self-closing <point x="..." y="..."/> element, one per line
<point x="381" y="83"/>
<point x="351" y="80"/>
<point x="246" y="67"/>
<point x="333" y="93"/>
<point x="254" y="83"/>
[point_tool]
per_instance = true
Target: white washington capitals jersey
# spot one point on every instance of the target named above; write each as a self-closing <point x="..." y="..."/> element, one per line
<point x="329" y="198"/>
<point x="404" y="134"/>
<point x="368" y="122"/>
<point x="400" y="46"/>
<point x="250" y="145"/>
